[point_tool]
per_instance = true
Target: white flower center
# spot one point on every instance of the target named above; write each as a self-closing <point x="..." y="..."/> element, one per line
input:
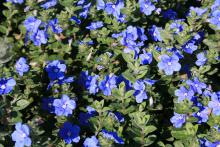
<point x="169" y="63"/>
<point x="107" y="84"/>
<point x="196" y="85"/>
<point x="185" y="94"/>
<point x="3" y="87"/>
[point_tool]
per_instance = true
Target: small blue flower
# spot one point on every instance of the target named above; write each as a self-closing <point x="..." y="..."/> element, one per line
<point x="95" y="25"/>
<point x="128" y="85"/>
<point x="215" y="19"/>
<point x="146" y="7"/>
<point x="84" y="117"/>
<point x="112" y="136"/>
<point x="32" y="24"/>
<point x="47" y="104"/>
<point x="40" y="37"/>
<point x="117" y="116"/>
<point x="178" y="120"/>
<point x="49" y="4"/>
<point x="150" y="81"/>
<point x="216" y="5"/>
<point x="69" y="133"/>
<point x="92" y="84"/>
<point x="201" y="59"/>
<point x="64" y="106"/>
<point x="176" y="26"/>
<point x="56" y="70"/>
<point x="196" y="85"/>
<point x="140" y="93"/>
<point x="190" y="47"/>
<point x="114" y="9"/>
<point x="169" y="64"/>
<point x="21" y="135"/>
<point x="85" y="8"/>
<point x="170" y="14"/>
<point x="6" y="85"/>
<point x="100" y="5"/>
<point x="203" y="114"/>
<point x="91" y="142"/>
<point x="155" y="33"/>
<point x="146" y="58"/>
<point x="22" y="66"/>
<point x="197" y="10"/>
<point x="15" y="1"/>
<point x="183" y="93"/>
<point x="214" y="104"/>
<point x="77" y="20"/>
<point x="108" y="84"/>
<point x="55" y="26"/>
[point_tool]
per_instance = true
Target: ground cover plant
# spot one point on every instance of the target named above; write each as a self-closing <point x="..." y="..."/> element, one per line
<point x="103" y="73"/>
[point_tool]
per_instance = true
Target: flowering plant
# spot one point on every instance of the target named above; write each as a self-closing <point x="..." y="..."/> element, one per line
<point x="96" y="73"/>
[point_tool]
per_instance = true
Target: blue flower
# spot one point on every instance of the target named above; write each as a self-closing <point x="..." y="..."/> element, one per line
<point x="215" y="5"/>
<point x="49" y="4"/>
<point x="178" y="120"/>
<point x="95" y="25"/>
<point x="203" y="114"/>
<point x="183" y="93"/>
<point x="201" y="59"/>
<point x="15" y="1"/>
<point x="112" y="136"/>
<point x="91" y="142"/>
<point x="40" y="37"/>
<point x="6" y="85"/>
<point x="190" y="47"/>
<point x="21" y="135"/>
<point x="108" y="84"/>
<point x="117" y="115"/>
<point x="77" y="20"/>
<point x="22" y="66"/>
<point x="47" y="104"/>
<point x="32" y="24"/>
<point x="155" y="33"/>
<point x="55" y="26"/>
<point x="114" y="9"/>
<point x="56" y="70"/>
<point x="140" y="93"/>
<point x="176" y="52"/>
<point x="169" y="64"/>
<point x="64" y="106"/>
<point x="128" y="85"/>
<point x="146" y="7"/>
<point x="130" y="39"/>
<point x="170" y="14"/>
<point x="196" y="85"/>
<point x="215" y="19"/>
<point x="85" y="8"/>
<point x="92" y="84"/>
<point x="84" y="117"/>
<point x="214" y="104"/>
<point x="149" y="81"/>
<point x="197" y="10"/>
<point x="176" y="26"/>
<point x="69" y="133"/>
<point x="146" y="58"/>
<point x="100" y="5"/>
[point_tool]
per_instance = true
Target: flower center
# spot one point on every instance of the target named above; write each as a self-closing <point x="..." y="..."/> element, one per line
<point x="64" y="106"/>
<point x="113" y="6"/>
<point x="185" y="94"/>
<point x="107" y="84"/>
<point x="196" y="85"/>
<point x="69" y="133"/>
<point x="55" y="70"/>
<point x="169" y="63"/>
<point x="3" y="87"/>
